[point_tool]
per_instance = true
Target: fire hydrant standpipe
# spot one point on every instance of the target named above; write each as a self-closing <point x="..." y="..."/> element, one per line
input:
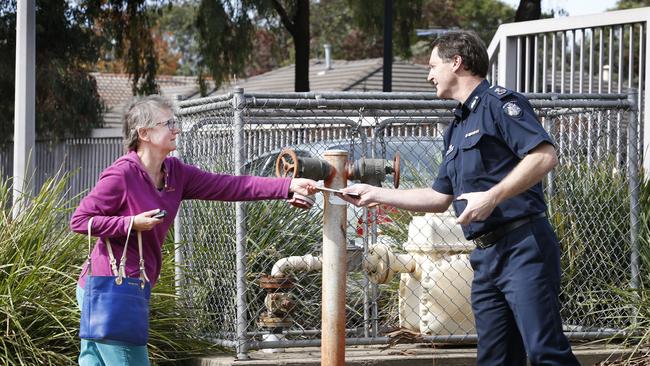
<point x="334" y="265"/>
<point x="335" y="171"/>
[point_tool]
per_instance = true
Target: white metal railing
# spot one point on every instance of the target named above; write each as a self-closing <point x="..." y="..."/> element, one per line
<point x="600" y="53"/>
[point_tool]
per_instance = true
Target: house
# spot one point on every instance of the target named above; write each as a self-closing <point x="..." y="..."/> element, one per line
<point x="357" y="75"/>
<point x="115" y="91"/>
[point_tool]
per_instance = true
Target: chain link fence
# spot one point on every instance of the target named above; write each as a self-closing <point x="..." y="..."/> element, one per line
<point x="252" y="270"/>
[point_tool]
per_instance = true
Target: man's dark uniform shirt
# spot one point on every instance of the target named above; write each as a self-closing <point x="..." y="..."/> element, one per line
<point x="492" y="131"/>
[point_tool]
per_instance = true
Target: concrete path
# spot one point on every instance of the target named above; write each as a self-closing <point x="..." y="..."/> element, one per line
<point x="400" y="355"/>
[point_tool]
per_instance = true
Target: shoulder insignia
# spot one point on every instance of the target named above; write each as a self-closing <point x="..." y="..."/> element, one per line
<point x="474" y="103"/>
<point x="500" y="92"/>
<point x="512" y="109"/>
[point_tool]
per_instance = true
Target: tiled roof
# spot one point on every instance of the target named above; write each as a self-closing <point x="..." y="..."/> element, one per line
<point x="357" y="75"/>
<point x="115" y="91"/>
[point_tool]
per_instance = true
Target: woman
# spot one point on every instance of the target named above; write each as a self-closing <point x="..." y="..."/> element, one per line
<point x="140" y="184"/>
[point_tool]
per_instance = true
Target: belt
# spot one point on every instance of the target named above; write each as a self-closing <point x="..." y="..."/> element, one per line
<point x="488" y="239"/>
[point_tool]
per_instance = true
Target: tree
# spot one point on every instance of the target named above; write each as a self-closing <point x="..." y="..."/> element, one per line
<point x="125" y="28"/>
<point x="67" y="101"/>
<point x="177" y="27"/>
<point x="407" y="15"/>
<point x="481" y="16"/>
<point x="226" y="29"/>
<point x="631" y="4"/>
<point x="528" y="10"/>
<point x="70" y="36"/>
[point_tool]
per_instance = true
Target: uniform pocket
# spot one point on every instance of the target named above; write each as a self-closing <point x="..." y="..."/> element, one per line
<point x="450" y="166"/>
<point x="472" y="158"/>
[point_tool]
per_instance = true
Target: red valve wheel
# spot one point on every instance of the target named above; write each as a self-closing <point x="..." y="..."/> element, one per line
<point x="286" y="165"/>
<point x="396" y="170"/>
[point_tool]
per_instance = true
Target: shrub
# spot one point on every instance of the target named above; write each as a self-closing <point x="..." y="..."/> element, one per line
<point x="40" y="260"/>
<point x="589" y="209"/>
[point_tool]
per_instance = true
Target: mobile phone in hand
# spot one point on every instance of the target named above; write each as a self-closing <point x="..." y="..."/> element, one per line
<point x="160" y="214"/>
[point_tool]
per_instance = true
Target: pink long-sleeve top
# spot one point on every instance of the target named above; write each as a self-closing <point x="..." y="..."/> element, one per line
<point x="125" y="189"/>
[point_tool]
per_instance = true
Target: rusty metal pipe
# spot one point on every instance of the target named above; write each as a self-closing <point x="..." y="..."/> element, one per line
<point x="334" y="263"/>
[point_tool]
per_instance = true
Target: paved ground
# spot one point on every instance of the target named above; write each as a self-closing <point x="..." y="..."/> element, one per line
<point x="400" y="355"/>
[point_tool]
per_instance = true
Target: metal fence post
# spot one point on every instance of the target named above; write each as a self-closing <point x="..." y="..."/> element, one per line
<point x="633" y="175"/>
<point x="240" y="230"/>
<point x="179" y="260"/>
<point x="24" y="110"/>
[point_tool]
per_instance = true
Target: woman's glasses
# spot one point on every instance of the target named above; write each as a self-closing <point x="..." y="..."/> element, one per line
<point x="171" y="123"/>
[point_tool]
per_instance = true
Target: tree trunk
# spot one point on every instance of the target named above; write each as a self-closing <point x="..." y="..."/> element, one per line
<point x="528" y="10"/>
<point x="301" y="44"/>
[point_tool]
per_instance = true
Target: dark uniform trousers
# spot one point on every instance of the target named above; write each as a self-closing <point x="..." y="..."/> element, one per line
<point x="515" y="299"/>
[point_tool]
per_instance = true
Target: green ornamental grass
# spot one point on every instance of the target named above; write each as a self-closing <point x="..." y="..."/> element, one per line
<point x="40" y="259"/>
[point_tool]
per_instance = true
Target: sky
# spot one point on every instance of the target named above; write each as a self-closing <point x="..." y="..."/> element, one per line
<point x="573" y="7"/>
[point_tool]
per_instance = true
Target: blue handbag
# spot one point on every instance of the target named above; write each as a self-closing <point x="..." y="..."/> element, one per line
<point x="116" y="308"/>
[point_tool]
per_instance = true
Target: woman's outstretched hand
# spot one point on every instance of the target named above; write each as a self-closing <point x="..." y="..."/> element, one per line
<point x="303" y="186"/>
<point x="301" y="189"/>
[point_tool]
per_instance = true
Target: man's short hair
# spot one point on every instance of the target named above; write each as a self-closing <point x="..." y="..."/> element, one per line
<point x="468" y="46"/>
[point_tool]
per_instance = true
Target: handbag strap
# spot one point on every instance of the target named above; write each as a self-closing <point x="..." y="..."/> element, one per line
<point x="90" y="223"/>
<point x="143" y="273"/>
<point x="120" y="272"/>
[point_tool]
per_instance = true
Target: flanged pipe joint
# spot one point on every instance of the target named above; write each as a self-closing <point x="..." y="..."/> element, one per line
<point x="374" y="171"/>
<point x="289" y="164"/>
<point x="370" y="171"/>
<point x="279" y="305"/>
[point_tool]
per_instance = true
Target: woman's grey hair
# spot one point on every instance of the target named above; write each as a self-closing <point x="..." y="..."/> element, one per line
<point x="140" y="113"/>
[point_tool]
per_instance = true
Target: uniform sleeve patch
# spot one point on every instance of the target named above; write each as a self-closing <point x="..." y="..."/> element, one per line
<point x="512" y="109"/>
<point x="500" y="92"/>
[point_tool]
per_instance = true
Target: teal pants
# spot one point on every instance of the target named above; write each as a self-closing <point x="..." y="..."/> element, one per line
<point x="109" y="354"/>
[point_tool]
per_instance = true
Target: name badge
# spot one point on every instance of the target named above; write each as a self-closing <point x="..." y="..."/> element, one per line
<point x="472" y="133"/>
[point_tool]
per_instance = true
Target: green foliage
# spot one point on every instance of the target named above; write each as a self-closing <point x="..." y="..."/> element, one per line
<point x="590" y="213"/>
<point x="125" y="28"/>
<point x="40" y="261"/>
<point x="225" y="33"/>
<point x="40" y="258"/>
<point x="275" y="230"/>
<point x="70" y="38"/>
<point x="481" y="16"/>
<point x="333" y="23"/>
<point x="282" y="231"/>
<point x="631" y="4"/>
<point x="637" y="301"/>
<point x="369" y="16"/>
<point x="66" y="95"/>
<point x="172" y="326"/>
<point x="177" y="24"/>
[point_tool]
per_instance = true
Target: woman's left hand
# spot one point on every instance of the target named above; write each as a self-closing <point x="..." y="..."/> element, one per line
<point x="303" y="186"/>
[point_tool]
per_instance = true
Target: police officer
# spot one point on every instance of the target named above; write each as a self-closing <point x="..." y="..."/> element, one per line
<point x="496" y="154"/>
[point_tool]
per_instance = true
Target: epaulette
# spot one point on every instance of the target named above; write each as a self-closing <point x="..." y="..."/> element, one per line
<point x="499" y="92"/>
